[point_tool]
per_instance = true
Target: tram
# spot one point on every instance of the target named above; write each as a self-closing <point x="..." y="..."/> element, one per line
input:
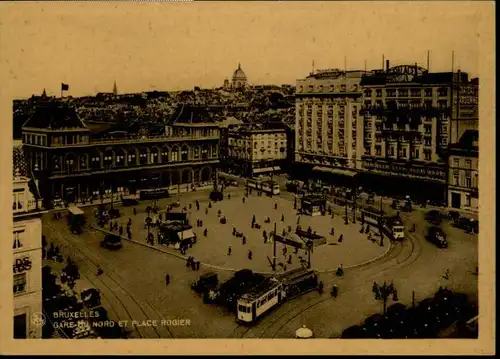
<point x="264" y="186"/>
<point x="76" y="219"/>
<point x="392" y="226"/>
<point x="272" y="292"/>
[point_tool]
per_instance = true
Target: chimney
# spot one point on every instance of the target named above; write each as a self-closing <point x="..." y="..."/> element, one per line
<point x="387" y="63"/>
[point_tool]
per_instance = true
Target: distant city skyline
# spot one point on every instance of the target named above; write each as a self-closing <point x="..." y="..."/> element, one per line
<point x="90" y="47"/>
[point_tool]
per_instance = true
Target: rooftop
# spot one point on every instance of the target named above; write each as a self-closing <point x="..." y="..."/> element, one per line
<point x="54" y="116"/>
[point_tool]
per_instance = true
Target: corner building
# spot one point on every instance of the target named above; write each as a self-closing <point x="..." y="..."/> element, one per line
<point x="73" y="164"/>
<point x="410" y="118"/>
<point x="27" y="250"/>
<point x="328" y="125"/>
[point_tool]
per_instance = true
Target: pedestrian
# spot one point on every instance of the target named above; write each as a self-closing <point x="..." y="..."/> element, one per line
<point x="206" y="211"/>
<point x="367" y="230"/>
<point x="129" y="235"/>
<point x="198" y="264"/>
<point x="414" y="228"/>
<point x="264" y="233"/>
<point x="282" y="218"/>
<point x="110" y="226"/>
<point x="234" y="231"/>
<point x="135" y="211"/>
<point x="201" y="223"/>
<point x="341" y="238"/>
<point x="193" y="264"/>
<point x="275" y="205"/>
<point x="320" y="287"/>
<point x="120" y="231"/>
<point x="253" y="220"/>
<point x="167" y="279"/>
<point x="290" y="259"/>
<point x="249" y="254"/>
<point x="332" y="231"/>
<point x="243" y="200"/>
<point x="228" y="196"/>
<point x="188" y="261"/>
<point x="335" y="291"/>
<point x="190" y="206"/>
<point x="309" y="230"/>
<point x="209" y="204"/>
<point x="244" y="240"/>
<point x="205" y="232"/>
<point x="229" y="251"/>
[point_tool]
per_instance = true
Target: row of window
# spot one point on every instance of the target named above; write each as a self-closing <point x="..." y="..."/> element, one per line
<point x="330" y="88"/>
<point x="413" y="92"/>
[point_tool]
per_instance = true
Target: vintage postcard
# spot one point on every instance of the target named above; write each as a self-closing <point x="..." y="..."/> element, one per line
<point x="267" y="177"/>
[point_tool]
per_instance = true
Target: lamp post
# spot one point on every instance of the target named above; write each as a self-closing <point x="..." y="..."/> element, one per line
<point x="274" y="247"/>
<point x="346" y="220"/>
<point x="382" y="292"/>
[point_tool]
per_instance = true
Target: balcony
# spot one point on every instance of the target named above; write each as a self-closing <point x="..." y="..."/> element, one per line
<point x="26" y="206"/>
<point x="138" y="139"/>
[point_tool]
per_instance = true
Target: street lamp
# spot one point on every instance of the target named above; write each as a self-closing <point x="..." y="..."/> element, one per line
<point x="346" y="220"/>
<point x="382" y="292"/>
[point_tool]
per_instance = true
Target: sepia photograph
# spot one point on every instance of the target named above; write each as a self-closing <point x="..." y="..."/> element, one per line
<point x="248" y="170"/>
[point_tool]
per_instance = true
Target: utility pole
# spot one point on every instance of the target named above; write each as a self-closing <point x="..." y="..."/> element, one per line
<point x="274" y="247"/>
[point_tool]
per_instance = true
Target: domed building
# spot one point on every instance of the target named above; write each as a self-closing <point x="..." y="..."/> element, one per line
<point x="239" y="78"/>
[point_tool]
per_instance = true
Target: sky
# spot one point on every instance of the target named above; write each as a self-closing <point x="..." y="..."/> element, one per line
<point x="161" y="46"/>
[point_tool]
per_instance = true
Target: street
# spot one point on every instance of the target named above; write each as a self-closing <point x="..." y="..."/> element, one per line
<point x="133" y="283"/>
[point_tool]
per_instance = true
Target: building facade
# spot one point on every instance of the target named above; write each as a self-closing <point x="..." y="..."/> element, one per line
<point x="254" y="151"/>
<point x="328" y="126"/>
<point x="410" y="118"/>
<point x="463" y="174"/>
<point x="72" y="165"/>
<point x="27" y="251"/>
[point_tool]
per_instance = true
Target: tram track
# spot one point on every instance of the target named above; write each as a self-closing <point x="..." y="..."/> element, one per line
<point x="113" y="285"/>
<point x="409" y="248"/>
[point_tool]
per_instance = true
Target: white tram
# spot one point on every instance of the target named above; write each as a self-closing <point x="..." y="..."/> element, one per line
<point x="273" y="291"/>
<point x="392" y="226"/>
<point x="264" y="186"/>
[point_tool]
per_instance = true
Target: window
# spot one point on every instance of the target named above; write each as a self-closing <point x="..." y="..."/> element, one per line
<point x="468" y="164"/>
<point x="427" y="155"/>
<point x="428" y="92"/>
<point x="427" y="141"/>
<point x="467" y="199"/>
<point x="403" y="93"/>
<point x="19" y="283"/>
<point x="417" y="153"/>
<point x="17" y="239"/>
<point x="455" y="181"/>
<point x="379" y="93"/>
<point x="404" y="152"/>
<point x="18" y="200"/>
<point x="468" y="182"/>
<point x="443" y="92"/>
<point x="456" y="162"/>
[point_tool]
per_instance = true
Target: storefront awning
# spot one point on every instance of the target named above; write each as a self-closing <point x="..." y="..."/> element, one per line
<point x="187" y="234"/>
<point x="336" y="171"/>
<point x="261" y="170"/>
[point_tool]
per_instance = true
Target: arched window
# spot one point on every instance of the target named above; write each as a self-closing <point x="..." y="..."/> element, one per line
<point x="132" y="157"/>
<point x="164" y="155"/>
<point x="196" y="152"/>
<point x="204" y="152"/>
<point x="119" y="158"/>
<point x="69" y="163"/>
<point x="108" y="158"/>
<point x="143" y="156"/>
<point x="153" y="156"/>
<point x="175" y="154"/>
<point x="184" y="153"/>
<point x="56" y="163"/>
<point x="83" y="162"/>
<point x="95" y="159"/>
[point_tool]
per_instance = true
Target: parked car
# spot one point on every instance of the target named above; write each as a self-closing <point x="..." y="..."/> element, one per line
<point x="469" y="225"/>
<point x="437" y="236"/>
<point x="434" y="217"/>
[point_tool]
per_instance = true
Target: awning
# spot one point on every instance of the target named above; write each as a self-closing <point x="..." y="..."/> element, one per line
<point x="336" y="171"/>
<point x="266" y="169"/>
<point x="187" y="234"/>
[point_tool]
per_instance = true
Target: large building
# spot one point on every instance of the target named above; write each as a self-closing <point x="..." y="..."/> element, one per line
<point x="27" y="250"/>
<point x="254" y="151"/>
<point x="239" y="79"/>
<point x="72" y="164"/>
<point x="410" y="118"/>
<point x="329" y="126"/>
<point x="463" y="192"/>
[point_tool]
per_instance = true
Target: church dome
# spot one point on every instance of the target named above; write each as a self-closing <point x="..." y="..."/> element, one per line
<point x="239" y="74"/>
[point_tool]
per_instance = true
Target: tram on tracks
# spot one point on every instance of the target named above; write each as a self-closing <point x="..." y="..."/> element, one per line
<point x="393" y="226"/>
<point x="265" y="186"/>
<point x="272" y="292"/>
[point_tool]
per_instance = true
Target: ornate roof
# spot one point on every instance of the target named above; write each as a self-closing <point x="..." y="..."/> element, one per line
<point x="54" y="115"/>
<point x="239" y="74"/>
